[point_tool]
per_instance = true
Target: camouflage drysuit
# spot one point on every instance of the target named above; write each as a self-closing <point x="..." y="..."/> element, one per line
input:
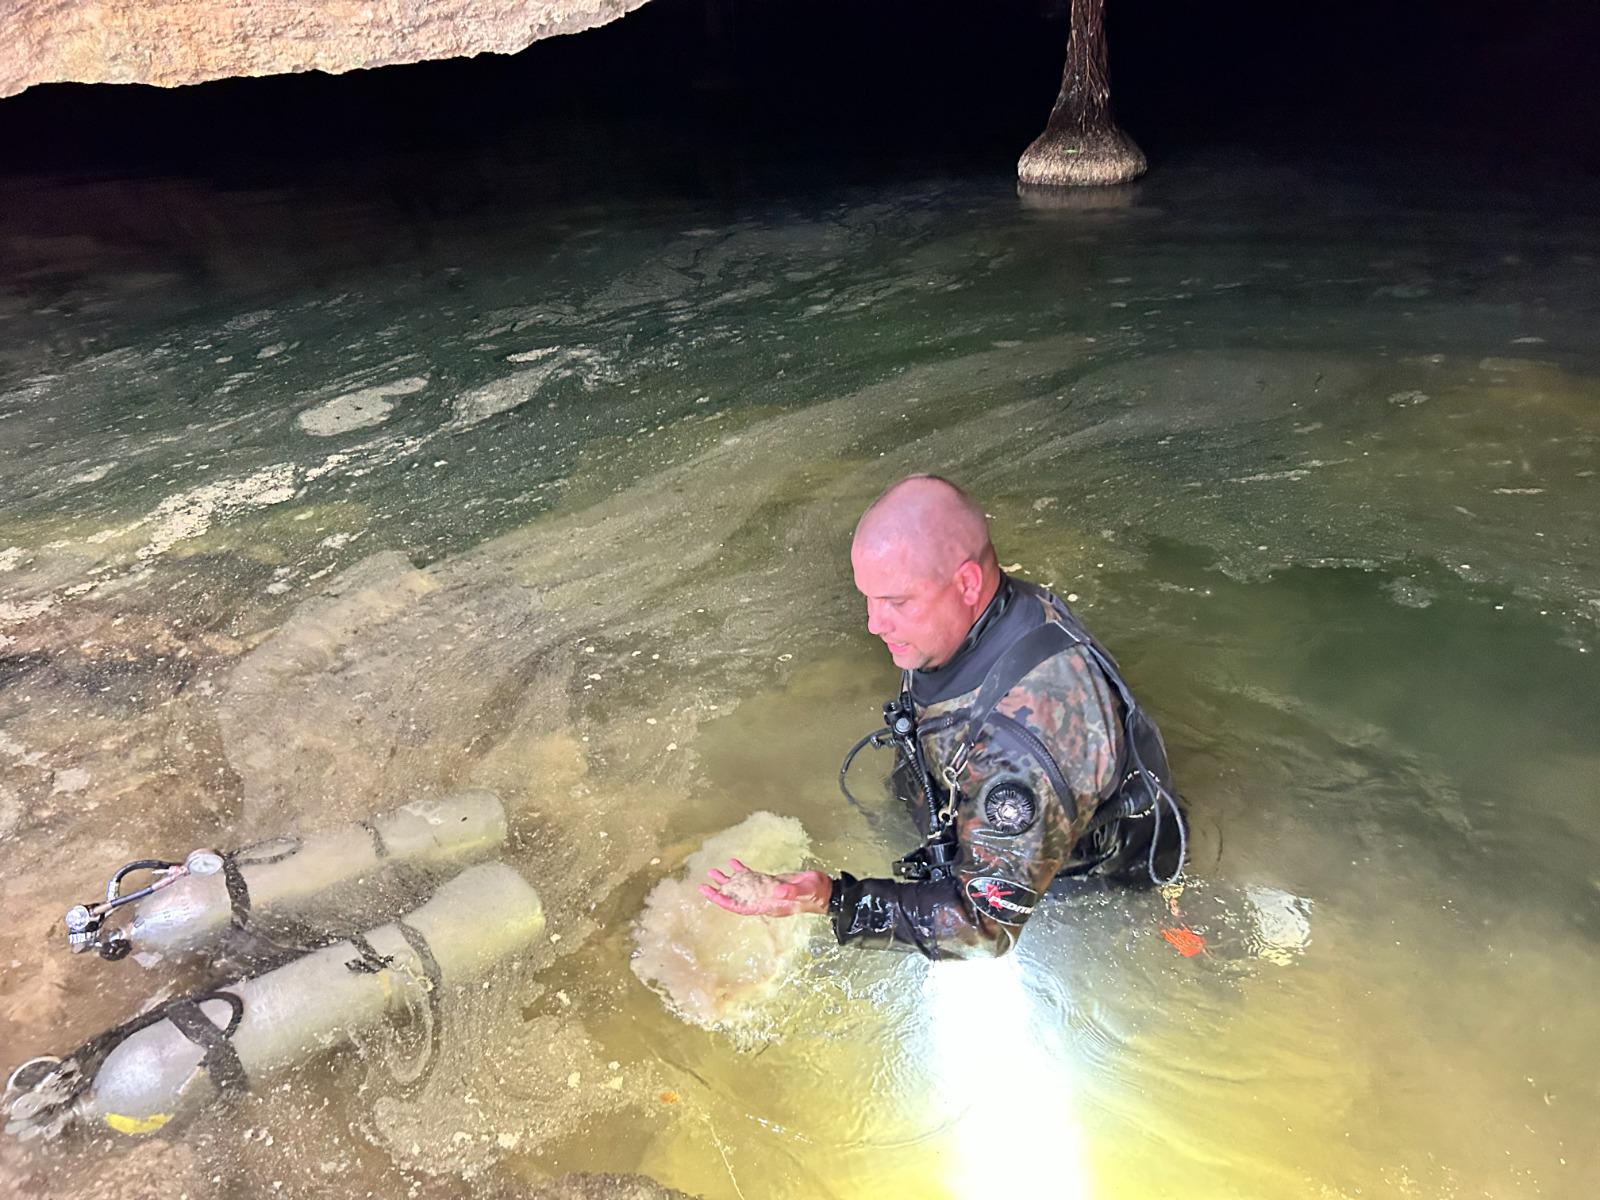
<point x="1047" y="785"/>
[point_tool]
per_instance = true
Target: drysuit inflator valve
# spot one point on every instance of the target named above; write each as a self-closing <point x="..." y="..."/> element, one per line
<point x="86" y="922"/>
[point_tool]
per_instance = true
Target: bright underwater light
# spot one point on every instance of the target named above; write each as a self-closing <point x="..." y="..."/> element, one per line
<point x="1001" y="1063"/>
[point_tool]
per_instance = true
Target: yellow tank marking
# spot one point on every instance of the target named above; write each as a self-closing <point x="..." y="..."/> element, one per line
<point x="124" y="1124"/>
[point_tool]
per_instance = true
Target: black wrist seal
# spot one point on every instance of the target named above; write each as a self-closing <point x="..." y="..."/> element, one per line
<point x="836" y="894"/>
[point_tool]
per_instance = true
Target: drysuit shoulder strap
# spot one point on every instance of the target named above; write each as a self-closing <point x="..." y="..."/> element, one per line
<point x="1146" y="786"/>
<point x="1062" y="631"/>
<point x="1038" y="645"/>
<point x="1064" y="616"/>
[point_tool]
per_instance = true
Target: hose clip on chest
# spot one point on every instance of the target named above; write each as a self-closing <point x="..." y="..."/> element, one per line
<point x="936" y="858"/>
<point x="86" y="922"/>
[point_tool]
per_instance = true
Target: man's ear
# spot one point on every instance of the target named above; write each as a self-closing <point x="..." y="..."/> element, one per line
<point x="969" y="577"/>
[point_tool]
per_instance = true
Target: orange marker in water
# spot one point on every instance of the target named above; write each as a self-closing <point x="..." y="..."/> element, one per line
<point x="1185" y="941"/>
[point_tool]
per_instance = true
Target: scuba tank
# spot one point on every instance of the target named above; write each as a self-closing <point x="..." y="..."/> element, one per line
<point x="305" y="887"/>
<point x="172" y="1060"/>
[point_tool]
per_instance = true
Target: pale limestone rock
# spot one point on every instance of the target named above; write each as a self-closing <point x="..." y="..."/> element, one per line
<point x="606" y="1187"/>
<point x="173" y="42"/>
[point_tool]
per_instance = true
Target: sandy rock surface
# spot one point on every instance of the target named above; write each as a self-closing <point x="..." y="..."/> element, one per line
<point x="189" y="41"/>
<point x="606" y="1187"/>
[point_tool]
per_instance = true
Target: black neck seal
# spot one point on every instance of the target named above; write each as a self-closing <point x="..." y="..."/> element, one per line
<point x="1000" y="624"/>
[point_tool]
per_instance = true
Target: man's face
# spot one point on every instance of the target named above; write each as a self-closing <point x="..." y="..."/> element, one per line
<point x="922" y="620"/>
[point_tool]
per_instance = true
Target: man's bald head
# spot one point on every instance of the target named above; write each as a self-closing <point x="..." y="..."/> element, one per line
<point x="938" y="523"/>
<point x="922" y="559"/>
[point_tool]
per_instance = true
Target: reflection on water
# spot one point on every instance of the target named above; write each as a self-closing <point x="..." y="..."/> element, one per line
<point x="562" y="511"/>
<point x="1002" y="1068"/>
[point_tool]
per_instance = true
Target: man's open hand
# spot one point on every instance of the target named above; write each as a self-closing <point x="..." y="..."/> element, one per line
<point x="754" y="894"/>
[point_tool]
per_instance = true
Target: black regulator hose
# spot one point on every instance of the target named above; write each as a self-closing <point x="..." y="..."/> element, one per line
<point x="875" y="739"/>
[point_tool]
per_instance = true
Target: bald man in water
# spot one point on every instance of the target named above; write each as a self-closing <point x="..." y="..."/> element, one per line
<point x="1028" y="757"/>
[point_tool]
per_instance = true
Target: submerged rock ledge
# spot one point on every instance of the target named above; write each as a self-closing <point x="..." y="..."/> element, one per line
<point x="190" y="41"/>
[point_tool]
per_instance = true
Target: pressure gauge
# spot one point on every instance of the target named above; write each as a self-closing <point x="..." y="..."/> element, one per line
<point x="203" y="862"/>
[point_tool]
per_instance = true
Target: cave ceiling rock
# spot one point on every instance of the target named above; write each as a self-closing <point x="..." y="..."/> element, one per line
<point x="190" y="41"/>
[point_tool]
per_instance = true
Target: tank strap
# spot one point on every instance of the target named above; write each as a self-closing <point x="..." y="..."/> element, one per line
<point x="301" y="935"/>
<point x="379" y="846"/>
<point x="220" y="1059"/>
<point x="254" y="854"/>
<point x="79" y="1069"/>
<point x="238" y="891"/>
<point x="367" y="961"/>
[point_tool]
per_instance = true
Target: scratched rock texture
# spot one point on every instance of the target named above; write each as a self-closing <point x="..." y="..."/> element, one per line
<point x="173" y="42"/>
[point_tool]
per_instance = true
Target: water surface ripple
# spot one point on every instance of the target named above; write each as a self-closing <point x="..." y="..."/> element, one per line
<point x="557" y="502"/>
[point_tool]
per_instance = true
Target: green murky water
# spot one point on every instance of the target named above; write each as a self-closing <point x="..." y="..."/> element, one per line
<point x="559" y="504"/>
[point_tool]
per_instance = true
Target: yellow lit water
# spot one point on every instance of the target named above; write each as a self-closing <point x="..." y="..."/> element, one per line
<point x="1329" y="496"/>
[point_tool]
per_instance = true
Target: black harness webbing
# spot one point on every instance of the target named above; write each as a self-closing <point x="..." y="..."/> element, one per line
<point x="238" y="892"/>
<point x="1011" y="668"/>
<point x="379" y="847"/>
<point x="252" y="855"/>
<point x="1120" y="800"/>
<point x="367" y="961"/>
<point x="220" y="1059"/>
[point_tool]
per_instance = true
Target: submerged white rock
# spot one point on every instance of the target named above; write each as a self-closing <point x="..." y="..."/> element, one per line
<point x="711" y="967"/>
<point x="550" y="363"/>
<point x="359" y="409"/>
<point x="1282" y="924"/>
<point x="189" y="514"/>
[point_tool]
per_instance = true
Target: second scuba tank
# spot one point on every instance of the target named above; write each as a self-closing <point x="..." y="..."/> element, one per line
<point x="173" y="1059"/>
<point x="330" y="881"/>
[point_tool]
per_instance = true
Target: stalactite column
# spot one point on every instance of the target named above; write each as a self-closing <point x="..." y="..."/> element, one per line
<point x="1082" y="146"/>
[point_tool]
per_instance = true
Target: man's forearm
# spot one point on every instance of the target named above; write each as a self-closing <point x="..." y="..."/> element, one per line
<point x="887" y="914"/>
